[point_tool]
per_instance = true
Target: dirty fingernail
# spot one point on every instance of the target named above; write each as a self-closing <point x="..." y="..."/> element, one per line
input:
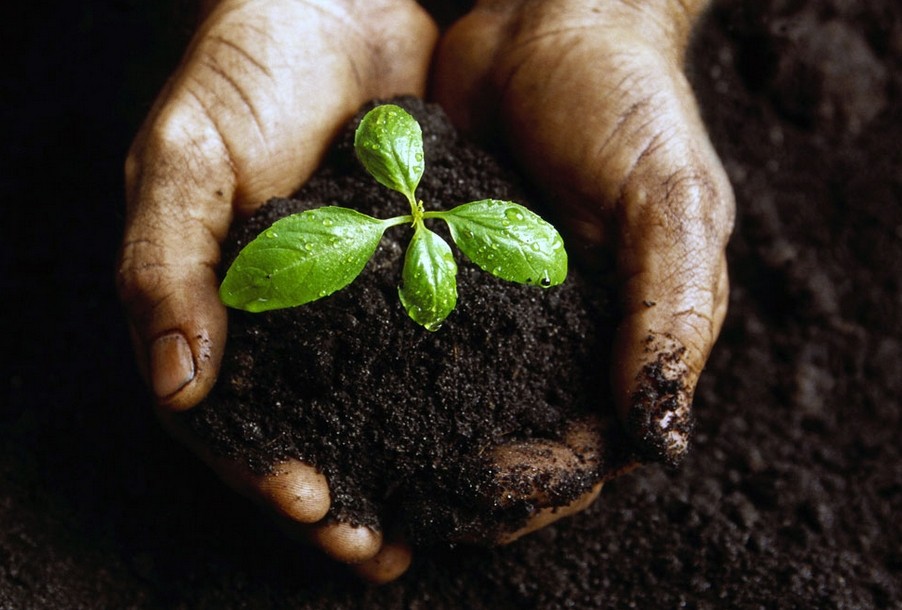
<point x="171" y="364"/>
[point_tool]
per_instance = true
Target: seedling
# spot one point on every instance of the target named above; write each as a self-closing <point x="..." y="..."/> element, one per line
<point x="306" y="256"/>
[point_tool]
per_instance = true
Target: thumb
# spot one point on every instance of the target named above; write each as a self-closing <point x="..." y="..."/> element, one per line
<point x="674" y="313"/>
<point x="179" y="189"/>
<point x="675" y="214"/>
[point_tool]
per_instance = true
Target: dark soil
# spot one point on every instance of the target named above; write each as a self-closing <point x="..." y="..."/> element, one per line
<point x="791" y="494"/>
<point x="403" y="421"/>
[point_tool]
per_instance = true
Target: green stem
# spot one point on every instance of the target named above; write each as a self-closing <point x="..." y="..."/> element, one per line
<point x="398" y="220"/>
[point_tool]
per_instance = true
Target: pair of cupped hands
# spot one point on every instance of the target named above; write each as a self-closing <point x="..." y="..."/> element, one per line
<point x="589" y="97"/>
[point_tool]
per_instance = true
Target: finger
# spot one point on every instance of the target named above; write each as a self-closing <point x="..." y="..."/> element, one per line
<point x="541" y="471"/>
<point x="179" y="187"/>
<point x="676" y="217"/>
<point x="552" y="479"/>
<point x="392" y="560"/>
<point x="462" y="77"/>
<point x="297" y="496"/>
<point x="293" y="490"/>
<point x="351" y="544"/>
<point x="548" y="515"/>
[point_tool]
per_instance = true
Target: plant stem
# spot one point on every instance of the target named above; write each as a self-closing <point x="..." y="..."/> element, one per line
<point x="399" y="220"/>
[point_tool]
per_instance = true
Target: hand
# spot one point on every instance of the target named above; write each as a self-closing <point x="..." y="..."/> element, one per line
<point x="591" y="99"/>
<point x="248" y="114"/>
<point x="260" y="95"/>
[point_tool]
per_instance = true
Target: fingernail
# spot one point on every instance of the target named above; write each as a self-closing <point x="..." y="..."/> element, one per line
<point x="171" y="364"/>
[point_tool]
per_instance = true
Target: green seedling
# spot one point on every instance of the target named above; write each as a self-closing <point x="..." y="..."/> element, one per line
<point x="307" y="256"/>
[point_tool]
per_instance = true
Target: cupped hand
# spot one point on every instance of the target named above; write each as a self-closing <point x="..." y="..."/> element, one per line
<point x="248" y="114"/>
<point x="591" y="100"/>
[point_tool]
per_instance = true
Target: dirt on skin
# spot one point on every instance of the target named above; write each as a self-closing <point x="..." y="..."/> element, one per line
<point x="404" y="422"/>
<point x="791" y="493"/>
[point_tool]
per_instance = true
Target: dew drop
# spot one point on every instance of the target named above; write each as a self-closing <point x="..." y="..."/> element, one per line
<point x="327" y="223"/>
<point x="271" y="234"/>
<point x="308" y="247"/>
<point x="545" y="281"/>
<point x="514" y="214"/>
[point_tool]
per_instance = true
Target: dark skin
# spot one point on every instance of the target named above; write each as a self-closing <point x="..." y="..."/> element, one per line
<point x="266" y="85"/>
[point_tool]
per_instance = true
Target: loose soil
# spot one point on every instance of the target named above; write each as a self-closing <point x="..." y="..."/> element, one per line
<point x="789" y="498"/>
<point x="404" y="421"/>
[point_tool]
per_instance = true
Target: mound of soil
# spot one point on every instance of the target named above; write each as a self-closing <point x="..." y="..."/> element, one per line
<point x="404" y="421"/>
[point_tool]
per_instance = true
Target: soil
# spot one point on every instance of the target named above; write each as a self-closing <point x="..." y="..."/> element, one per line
<point x="404" y="421"/>
<point x="791" y="493"/>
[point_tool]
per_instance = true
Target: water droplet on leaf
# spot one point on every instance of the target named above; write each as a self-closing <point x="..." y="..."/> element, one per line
<point x="514" y="214"/>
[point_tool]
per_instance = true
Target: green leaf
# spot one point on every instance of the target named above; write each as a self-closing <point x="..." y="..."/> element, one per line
<point x="301" y="258"/>
<point x="509" y="241"/>
<point x="389" y="143"/>
<point x="429" y="284"/>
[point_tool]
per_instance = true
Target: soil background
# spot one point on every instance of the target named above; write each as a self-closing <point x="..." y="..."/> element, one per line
<point x="792" y="492"/>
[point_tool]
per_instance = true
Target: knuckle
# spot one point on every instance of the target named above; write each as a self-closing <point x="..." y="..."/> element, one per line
<point x="139" y="272"/>
<point x="688" y="207"/>
<point x="174" y="137"/>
